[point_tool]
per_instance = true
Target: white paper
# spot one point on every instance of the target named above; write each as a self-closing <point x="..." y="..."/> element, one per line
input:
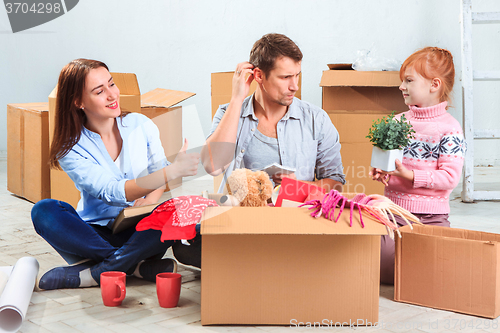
<point x="16" y="295"/>
<point x="275" y="168"/>
<point x="4" y="277"/>
<point x="290" y="203"/>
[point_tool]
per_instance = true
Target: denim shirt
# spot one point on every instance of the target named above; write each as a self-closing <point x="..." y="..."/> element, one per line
<point x="98" y="178"/>
<point x="307" y="140"/>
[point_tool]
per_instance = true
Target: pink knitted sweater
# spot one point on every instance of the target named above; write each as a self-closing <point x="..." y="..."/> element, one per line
<point x="436" y="157"/>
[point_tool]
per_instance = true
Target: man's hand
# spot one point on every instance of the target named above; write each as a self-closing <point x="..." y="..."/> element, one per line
<point x="278" y="177"/>
<point x="241" y="83"/>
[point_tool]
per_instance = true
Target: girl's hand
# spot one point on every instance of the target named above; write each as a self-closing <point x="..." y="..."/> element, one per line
<point x="380" y="175"/>
<point x="402" y="172"/>
<point x="383" y="176"/>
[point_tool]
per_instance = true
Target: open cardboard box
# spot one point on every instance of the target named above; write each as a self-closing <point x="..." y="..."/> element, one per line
<point x="353" y="100"/>
<point x="280" y="266"/>
<point x="156" y="104"/>
<point x="28" y="174"/>
<point x="450" y="269"/>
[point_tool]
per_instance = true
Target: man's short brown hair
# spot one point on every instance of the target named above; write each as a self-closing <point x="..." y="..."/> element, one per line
<point x="270" y="47"/>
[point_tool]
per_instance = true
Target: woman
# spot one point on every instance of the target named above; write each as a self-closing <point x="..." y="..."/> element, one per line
<point x="116" y="160"/>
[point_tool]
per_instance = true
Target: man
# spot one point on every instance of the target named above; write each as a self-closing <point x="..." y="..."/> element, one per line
<point x="272" y="125"/>
<point x="269" y="126"/>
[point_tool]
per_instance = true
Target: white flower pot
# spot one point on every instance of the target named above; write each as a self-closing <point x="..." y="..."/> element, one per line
<point x="385" y="159"/>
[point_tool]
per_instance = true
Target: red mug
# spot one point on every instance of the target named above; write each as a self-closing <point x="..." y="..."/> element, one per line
<point x="168" y="289"/>
<point x="113" y="288"/>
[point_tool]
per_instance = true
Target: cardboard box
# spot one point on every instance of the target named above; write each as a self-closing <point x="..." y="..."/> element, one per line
<point x="449" y="269"/>
<point x="156" y="104"/>
<point x="353" y="100"/>
<point x="222" y="85"/>
<point x="280" y="266"/>
<point x="28" y="173"/>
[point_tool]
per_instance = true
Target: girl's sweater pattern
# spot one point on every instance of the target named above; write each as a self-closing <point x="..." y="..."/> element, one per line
<point x="436" y="157"/>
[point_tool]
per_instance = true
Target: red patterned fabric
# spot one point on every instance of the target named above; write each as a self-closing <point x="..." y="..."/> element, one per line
<point x="176" y="218"/>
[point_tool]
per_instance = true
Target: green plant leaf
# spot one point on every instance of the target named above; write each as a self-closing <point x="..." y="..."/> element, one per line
<point x="391" y="133"/>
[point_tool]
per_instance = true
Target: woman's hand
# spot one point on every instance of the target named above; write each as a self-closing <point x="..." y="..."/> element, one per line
<point x="184" y="164"/>
<point x="142" y="202"/>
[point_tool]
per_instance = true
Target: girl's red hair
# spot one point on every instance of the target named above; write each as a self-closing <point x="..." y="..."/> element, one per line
<point x="430" y="63"/>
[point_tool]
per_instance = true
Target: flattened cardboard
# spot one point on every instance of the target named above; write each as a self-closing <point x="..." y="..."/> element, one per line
<point x="156" y="105"/>
<point x="449" y="269"/>
<point x="28" y="175"/>
<point x="279" y="266"/>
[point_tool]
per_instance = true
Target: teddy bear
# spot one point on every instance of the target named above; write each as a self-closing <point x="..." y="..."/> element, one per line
<point x="250" y="188"/>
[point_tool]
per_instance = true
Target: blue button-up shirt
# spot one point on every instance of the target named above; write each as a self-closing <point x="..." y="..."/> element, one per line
<point x="98" y="178"/>
<point x="307" y="140"/>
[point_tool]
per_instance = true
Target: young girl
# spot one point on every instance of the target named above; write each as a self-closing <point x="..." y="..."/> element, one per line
<point x="432" y="162"/>
<point x="116" y="160"/>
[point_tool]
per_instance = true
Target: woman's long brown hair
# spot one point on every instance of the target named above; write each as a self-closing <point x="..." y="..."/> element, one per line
<point x="69" y="118"/>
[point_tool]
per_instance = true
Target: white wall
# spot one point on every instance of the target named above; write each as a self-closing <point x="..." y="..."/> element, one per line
<point x="176" y="44"/>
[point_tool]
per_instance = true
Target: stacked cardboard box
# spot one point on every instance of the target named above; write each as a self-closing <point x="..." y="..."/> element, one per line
<point x="353" y="100"/>
<point x="280" y="266"/>
<point x="221" y="94"/>
<point x="449" y="269"/>
<point x="28" y="173"/>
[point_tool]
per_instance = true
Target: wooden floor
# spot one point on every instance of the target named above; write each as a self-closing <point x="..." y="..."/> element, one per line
<point x="81" y="310"/>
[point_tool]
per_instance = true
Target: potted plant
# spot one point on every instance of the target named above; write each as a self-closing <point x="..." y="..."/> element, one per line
<point x="389" y="136"/>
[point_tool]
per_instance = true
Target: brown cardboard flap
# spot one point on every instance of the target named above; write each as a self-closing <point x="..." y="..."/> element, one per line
<point x="453" y="233"/>
<point x="284" y="220"/>
<point x="448" y="268"/>
<point x="332" y="78"/>
<point x="340" y="67"/>
<point x="164" y="97"/>
<point x="127" y="83"/>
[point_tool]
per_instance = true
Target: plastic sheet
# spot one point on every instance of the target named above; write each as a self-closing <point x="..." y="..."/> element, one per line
<point x="366" y="61"/>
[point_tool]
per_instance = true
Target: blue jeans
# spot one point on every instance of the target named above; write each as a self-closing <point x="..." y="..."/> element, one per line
<point x="74" y="239"/>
